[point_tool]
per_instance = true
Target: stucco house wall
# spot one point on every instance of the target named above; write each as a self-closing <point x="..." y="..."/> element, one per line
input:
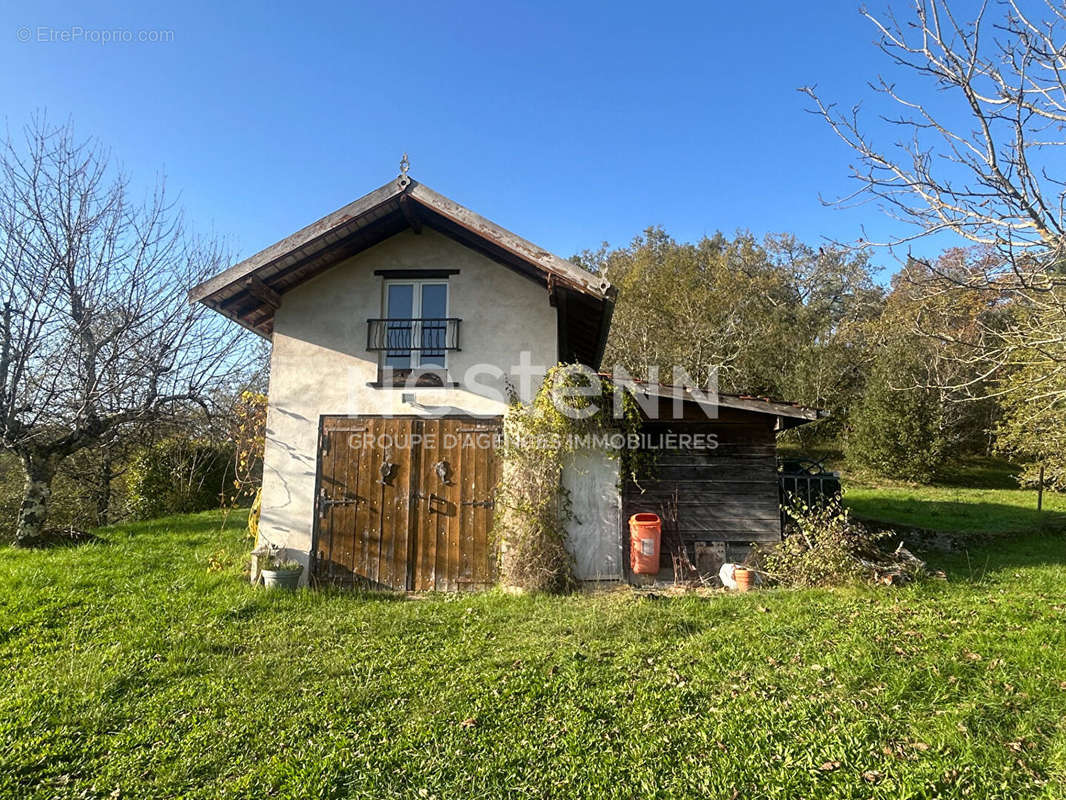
<point x="320" y="364"/>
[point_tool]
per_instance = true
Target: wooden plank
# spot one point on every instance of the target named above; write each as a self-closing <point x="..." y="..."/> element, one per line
<point x="393" y="454"/>
<point x="378" y="551"/>
<point x="360" y="510"/>
<point x="724" y="428"/>
<point x="695" y="510"/>
<point x="421" y="512"/>
<point x="260" y="291"/>
<point x="416" y="521"/>
<point x="452" y="493"/>
<point x="693" y="524"/>
<point x="324" y="565"/>
<point x="466" y="480"/>
<point x="741" y="537"/>
<point x="362" y="522"/>
<point x="368" y="520"/>
<point x="322" y="533"/>
<point x="706" y="493"/>
<point x="735" y="505"/>
<point x="397" y="510"/>
<point x="410" y="213"/>
<point x="400" y="500"/>
<point x="413" y="508"/>
<point x="437" y="510"/>
<point x="388" y="454"/>
<point x="485" y="490"/>
<point x="429" y="520"/>
<point x="739" y="452"/>
<point x="357" y="471"/>
<point x="710" y="523"/>
<point x="336" y="517"/>
<point x="440" y="510"/>
<point x="734" y="453"/>
<point x="493" y="474"/>
<point x="344" y="516"/>
<point x="482" y="489"/>
<point x="716" y="473"/>
<point x="711" y="489"/>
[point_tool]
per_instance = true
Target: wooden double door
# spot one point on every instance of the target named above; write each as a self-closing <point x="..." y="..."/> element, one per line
<point x="406" y="503"/>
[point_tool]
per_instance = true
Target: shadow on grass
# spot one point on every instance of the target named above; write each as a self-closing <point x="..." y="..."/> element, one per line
<point x="956" y="517"/>
<point x="979" y="473"/>
<point x="364" y="594"/>
<point x="52" y="539"/>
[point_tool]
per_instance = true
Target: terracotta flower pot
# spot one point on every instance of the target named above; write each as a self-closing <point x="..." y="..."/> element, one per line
<point x="744" y="579"/>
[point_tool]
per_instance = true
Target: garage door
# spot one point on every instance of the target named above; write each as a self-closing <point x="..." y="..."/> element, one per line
<point x="406" y="503"/>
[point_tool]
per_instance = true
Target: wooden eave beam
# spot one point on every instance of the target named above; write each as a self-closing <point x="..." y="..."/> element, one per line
<point x="562" y="309"/>
<point x="263" y="293"/>
<point x="410" y="213"/>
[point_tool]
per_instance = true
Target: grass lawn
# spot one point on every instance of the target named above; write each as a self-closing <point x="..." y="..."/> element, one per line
<point x="949" y="508"/>
<point x="143" y="666"/>
<point x="977" y="496"/>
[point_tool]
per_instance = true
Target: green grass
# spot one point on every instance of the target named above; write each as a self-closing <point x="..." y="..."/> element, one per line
<point x="135" y="667"/>
<point x="945" y="508"/>
<point x="975" y="496"/>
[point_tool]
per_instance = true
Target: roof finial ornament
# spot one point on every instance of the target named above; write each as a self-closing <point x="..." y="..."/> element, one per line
<point x="405" y="165"/>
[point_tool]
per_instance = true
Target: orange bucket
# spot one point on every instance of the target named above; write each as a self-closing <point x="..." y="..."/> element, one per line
<point x="645" y="538"/>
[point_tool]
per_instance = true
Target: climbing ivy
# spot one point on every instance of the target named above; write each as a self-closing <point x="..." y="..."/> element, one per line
<point x="574" y="409"/>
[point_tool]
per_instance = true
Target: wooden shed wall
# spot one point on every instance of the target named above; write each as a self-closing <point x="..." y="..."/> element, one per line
<point x="728" y="494"/>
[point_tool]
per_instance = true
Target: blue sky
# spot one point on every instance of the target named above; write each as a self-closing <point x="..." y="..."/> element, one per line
<point x="570" y="123"/>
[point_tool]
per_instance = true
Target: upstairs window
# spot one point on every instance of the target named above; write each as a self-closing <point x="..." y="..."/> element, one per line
<point x="416" y="324"/>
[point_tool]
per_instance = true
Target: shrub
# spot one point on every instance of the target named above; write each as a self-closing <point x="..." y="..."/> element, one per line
<point x="823" y="546"/>
<point x="177" y="476"/>
<point x="897" y="430"/>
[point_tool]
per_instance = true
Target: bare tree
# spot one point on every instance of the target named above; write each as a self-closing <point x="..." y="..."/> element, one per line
<point x="96" y="334"/>
<point x="986" y="178"/>
<point x="976" y="148"/>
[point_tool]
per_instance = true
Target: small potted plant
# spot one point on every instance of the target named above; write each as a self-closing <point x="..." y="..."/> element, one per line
<point x="281" y="574"/>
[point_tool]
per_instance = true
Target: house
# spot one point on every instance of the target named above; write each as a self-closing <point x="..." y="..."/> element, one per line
<point x="401" y="325"/>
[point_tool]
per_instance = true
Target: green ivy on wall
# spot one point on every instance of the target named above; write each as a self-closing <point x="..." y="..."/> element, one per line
<point x="573" y="407"/>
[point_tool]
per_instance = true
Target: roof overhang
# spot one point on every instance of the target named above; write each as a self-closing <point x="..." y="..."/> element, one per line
<point x="786" y="415"/>
<point x="250" y="292"/>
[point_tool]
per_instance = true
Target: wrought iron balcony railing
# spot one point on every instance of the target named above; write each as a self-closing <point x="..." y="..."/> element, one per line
<point x="426" y="335"/>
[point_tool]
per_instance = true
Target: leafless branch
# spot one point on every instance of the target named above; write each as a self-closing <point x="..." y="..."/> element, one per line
<point x="95" y="331"/>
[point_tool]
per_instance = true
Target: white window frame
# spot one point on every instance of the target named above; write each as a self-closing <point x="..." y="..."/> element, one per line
<point x="416" y="313"/>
